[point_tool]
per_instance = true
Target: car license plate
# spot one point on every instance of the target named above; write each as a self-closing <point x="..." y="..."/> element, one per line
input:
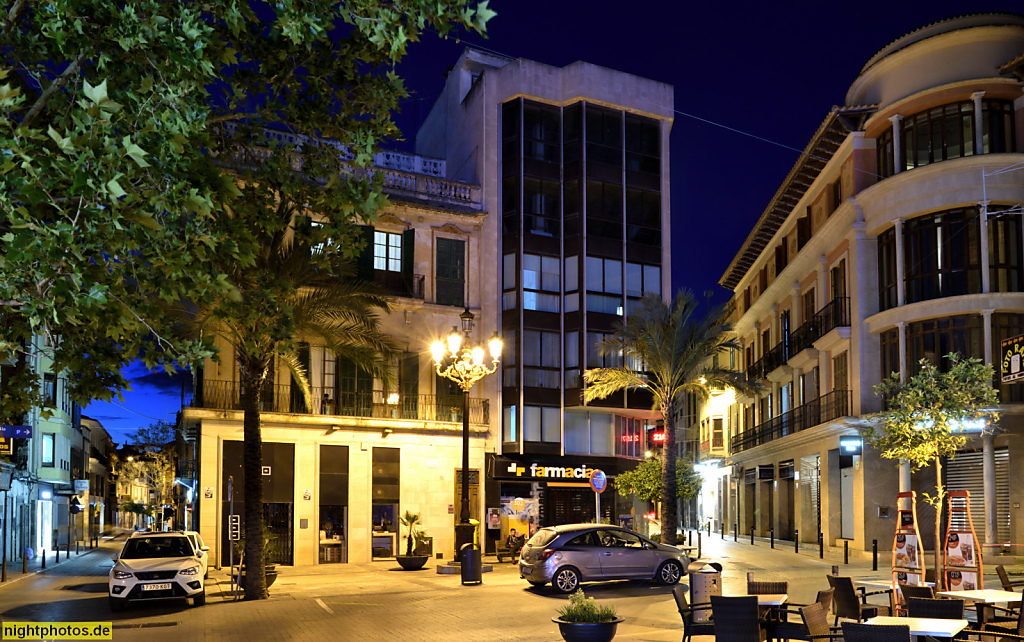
<point x="526" y="570"/>
<point x="156" y="587"/>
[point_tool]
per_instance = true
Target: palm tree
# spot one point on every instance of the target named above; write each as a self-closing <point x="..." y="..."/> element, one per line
<point x="671" y="353"/>
<point x="295" y="290"/>
<point x="409" y="520"/>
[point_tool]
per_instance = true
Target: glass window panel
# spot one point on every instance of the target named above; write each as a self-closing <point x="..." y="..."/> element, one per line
<point x="595" y="274"/>
<point x="634" y="279"/>
<point x="549" y="274"/>
<point x="552" y="430"/>
<point x="572" y="302"/>
<point x="600" y="434"/>
<point x="652" y="279"/>
<point x="571" y="273"/>
<point x="508" y="300"/>
<point x="572" y="349"/>
<point x="531" y="272"/>
<point x="508" y="428"/>
<point x="613" y="276"/>
<point x="550" y="350"/>
<point x="577" y="433"/>
<point x="531" y="423"/>
<point x="531" y="348"/>
<point x="508" y="270"/>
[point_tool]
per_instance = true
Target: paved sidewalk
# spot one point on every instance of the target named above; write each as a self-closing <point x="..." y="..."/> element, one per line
<point x="18" y="569"/>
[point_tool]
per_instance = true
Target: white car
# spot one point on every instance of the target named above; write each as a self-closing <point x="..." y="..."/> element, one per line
<point x="156" y="566"/>
<point x="202" y="550"/>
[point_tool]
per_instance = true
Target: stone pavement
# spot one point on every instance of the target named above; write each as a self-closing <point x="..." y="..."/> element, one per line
<point x="377" y="601"/>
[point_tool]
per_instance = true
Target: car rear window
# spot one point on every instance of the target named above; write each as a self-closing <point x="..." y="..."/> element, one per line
<point x="543" y="537"/>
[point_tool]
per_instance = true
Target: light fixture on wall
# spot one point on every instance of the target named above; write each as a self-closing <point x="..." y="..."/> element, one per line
<point x="384" y="434"/>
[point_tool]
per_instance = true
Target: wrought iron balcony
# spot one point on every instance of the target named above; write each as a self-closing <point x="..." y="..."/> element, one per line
<point x="835" y="314"/>
<point x="224" y="395"/>
<point x="834" y="405"/>
<point x="186" y="469"/>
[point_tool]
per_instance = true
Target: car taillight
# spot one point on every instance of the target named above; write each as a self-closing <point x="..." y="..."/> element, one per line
<point x="546" y="553"/>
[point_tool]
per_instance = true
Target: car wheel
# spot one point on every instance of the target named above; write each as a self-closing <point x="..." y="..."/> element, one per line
<point x="566" y="580"/>
<point x="536" y="583"/>
<point x="669" y="573"/>
<point x="117" y="604"/>
<point x="199" y="599"/>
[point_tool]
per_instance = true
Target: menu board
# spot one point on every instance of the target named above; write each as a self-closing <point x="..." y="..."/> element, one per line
<point x="907" y="560"/>
<point x="962" y="557"/>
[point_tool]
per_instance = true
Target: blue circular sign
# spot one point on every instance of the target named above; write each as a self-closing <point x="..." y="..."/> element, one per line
<point x="598" y="481"/>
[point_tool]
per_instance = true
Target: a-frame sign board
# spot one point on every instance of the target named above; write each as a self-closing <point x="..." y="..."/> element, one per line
<point x="907" y="560"/>
<point x="962" y="558"/>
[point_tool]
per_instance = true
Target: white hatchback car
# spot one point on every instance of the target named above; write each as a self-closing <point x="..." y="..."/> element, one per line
<point x="155" y="566"/>
<point x="202" y="550"/>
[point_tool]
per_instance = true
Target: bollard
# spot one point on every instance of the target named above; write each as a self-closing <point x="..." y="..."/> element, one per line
<point x="846" y="551"/>
<point x="821" y="546"/>
<point x="3" y="572"/>
<point x="723" y="531"/>
<point x="698" y="545"/>
<point x="835" y="569"/>
<point x="771" y="534"/>
<point x="751" y="535"/>
<point x="44" y="558"/>
<point x="56" y="555"/>
<point x="874" y="555"/>
<point x="709" y="528"/>
<point x="77" y="551"/>
<point x="796" y="541"/>
<point x="24" y="564"/>
<point x="735" y="531"/>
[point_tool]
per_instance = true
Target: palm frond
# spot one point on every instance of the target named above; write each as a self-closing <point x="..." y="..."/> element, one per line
<point x="602" y="382"/>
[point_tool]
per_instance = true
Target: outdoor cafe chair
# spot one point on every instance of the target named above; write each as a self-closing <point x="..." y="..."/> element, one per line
<point x="813" y="626"/>
<point x="758" y="587"/>
<point x="856" y="632"/>
<point x="1013" y="624"/>
<point x="941" y="609"/>
<point x="910" y="590"/>
<point x="852" y="604"/>
<point x="1004" y="579"/>
<point x="686" y="611"/>
<point x="736" y="619"/>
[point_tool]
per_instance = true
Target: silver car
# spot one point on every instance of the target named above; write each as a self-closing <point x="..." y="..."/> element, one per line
<point x="573" y="553"/>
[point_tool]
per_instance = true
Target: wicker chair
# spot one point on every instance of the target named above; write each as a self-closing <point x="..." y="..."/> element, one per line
<point x="853" y="604"/>
<point x="686" y="611"/>
<point x="855" y="632"/>
<point x="933" y="608"/>
<point x="1008" y="624"/>
<point x="756" y="587"/>
<point x="910" y="590"/>
<point x="1004" y="579"/>
<point x="736" y="619"/>
<point x="813" y="626"/>
<point x="787" y="630"/>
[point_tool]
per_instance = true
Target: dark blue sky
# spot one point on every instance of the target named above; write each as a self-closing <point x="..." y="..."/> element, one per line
<point x="772" y="70"/>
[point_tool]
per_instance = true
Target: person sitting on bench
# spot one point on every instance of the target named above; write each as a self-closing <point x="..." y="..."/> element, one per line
<point x="514" y="542"/>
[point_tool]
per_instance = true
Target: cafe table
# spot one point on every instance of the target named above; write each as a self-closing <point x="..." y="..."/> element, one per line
<point x="771" y="599"/>
<point x="983" y="598"/>
<point x="921" y="626"/>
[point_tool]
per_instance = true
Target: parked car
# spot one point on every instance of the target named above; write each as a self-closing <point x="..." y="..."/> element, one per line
<point x="573" y="553"/>
<point x="156" y="566"/>
<point x="202" y="551"/>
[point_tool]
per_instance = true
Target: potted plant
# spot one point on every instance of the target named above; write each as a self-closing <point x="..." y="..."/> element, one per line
<point x="582" y="620"/>
<point x="270" y="548"/>
<point x="409" y="561"/>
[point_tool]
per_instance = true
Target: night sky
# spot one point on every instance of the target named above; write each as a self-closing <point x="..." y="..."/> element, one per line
<point x="769" y="70"/>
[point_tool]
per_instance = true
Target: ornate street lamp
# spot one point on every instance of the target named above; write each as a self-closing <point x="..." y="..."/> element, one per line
<point x="454" y="359"/>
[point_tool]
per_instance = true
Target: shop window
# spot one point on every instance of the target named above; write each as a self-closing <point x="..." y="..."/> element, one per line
<point x="333" y="495"/>
<point x="386" y="485"/>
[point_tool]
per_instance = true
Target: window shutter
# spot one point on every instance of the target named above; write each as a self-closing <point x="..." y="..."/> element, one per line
<point x="364" y="264"/>
<point x="408" y="253"/>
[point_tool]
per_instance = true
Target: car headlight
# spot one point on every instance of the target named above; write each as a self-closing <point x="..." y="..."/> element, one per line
<point x="121" y="575"/>
<point x="192" y="570"/>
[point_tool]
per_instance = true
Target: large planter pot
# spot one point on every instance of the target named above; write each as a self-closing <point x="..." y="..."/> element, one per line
<point x="269" y="575"/>
<point x="412" y="562"/>
<point x="587" y="631"/>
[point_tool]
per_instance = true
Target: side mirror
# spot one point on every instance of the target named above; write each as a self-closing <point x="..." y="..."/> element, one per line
<point x="113" y="558"/>
<point x="204" y="548"/>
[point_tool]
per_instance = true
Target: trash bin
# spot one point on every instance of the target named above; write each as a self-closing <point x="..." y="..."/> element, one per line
<point x="705" y="581"/>
<point x="471" y="564"/>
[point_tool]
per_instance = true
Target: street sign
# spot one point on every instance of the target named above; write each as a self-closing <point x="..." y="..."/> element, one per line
<point x="235" y="527"/>
<point x="1011" y="359"/>
<point x="81" y="485"/>
<point x="598" y="481"/>
<point x="9" y="432"/>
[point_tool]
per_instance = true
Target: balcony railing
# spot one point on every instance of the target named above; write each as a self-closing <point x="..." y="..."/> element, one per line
<point x="834" y="405"/>
<point x="224" y="395"/>
<point x="186" y="469"/>
<point x="835" y="314"/>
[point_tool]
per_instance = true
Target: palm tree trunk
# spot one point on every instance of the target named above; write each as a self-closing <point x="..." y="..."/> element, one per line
<point x="940" y="579"/>
<point x="255" y="581"/>
<point x="669" y="512"/>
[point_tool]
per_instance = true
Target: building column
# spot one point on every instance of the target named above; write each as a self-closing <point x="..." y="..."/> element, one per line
<point x="979" y="130"/>
<point x="986" y="285"/>
<point x="900" y="274"/>
<point x="904" y="464"/>
<point x="897" y="143"/>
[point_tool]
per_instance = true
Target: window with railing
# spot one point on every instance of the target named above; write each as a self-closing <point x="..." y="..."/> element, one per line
<point x="821" y="410"/>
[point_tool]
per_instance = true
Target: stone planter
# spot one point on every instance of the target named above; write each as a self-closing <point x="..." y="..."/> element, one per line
<point x="412" y="562"/>
<point x="587" y="631"/>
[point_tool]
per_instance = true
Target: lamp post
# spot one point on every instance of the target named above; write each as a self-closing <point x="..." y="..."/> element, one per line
<point x="457" y="361"/>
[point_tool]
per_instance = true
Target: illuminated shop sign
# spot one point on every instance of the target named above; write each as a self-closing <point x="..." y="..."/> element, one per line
<point x="532" y="470"/>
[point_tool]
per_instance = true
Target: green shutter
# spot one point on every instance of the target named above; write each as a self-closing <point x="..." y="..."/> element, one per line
<point x="408" y="252"/>
<point x="364" y="264"/>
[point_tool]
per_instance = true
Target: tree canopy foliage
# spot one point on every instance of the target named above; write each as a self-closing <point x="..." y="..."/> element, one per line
<point x="668" y="351"/>
<point x="119" y="123"/>
<point x="645" y="481"/>
<point x="928" y="417"/>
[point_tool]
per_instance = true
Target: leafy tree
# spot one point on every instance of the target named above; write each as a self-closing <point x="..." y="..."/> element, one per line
<point x="288" y="295"/>
<point x="923" y="423"/>
<point x="668" y="352"/>
<point x="645" y="481"/>
<point x="115" y="122"/>
<point x="156" y="460"/>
